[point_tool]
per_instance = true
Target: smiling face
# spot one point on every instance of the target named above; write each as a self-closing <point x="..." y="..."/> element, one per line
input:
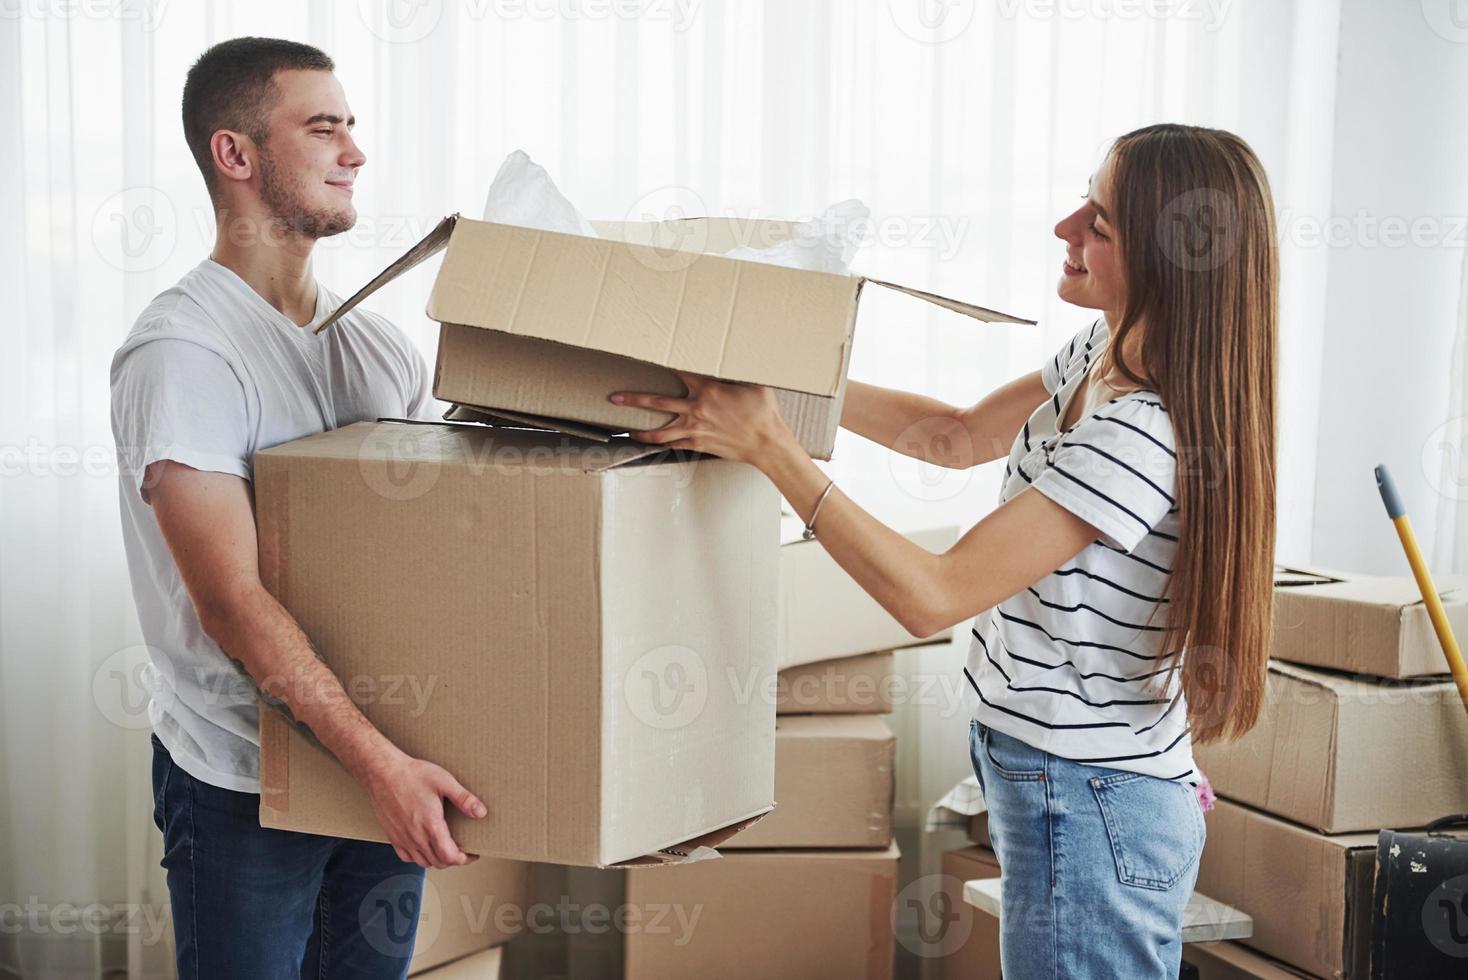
<point x="309" y="161"/>
<point x="1091" y="274"/>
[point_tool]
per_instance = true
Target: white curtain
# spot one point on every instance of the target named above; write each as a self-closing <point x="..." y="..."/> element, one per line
<point x="968" y="128"/>
<point x="1445" y="455"/>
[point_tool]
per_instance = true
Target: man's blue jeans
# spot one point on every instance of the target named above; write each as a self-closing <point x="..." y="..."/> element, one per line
<point x="262" y="904"/>
<point x="1097" y="864"/>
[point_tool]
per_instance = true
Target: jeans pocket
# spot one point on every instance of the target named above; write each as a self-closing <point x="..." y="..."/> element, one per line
<point x="1155" y="827"/>
<point x="1012" y="759"/>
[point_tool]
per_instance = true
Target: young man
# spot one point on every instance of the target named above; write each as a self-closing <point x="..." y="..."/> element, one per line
<point x="217" y="367"/>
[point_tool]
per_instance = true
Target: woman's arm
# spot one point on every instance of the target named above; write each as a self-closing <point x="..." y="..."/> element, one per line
<point x="1022" y="541"/>
<point x="936" y="432"/>
<point x="1026" y="538"/>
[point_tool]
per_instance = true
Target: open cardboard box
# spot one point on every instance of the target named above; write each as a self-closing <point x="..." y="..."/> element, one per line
<point x="541" y="326"/>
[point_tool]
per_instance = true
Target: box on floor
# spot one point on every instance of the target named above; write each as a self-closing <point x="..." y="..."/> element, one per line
<point x="1362" y="623"/>
<point x="530" y="611"/>
<point x="861" y="684"/>
<point x="468" y="909"/>
<point x="1309" y="894"/>
<point x="1341" y="753"/>
<point x="965" y="938"/>
<point x="978" y="830"/>
<point x="833" y="785"/>
<point x="1231" y="961"/>
<point x="547" y="325"/>
<point x="487" y="964"/>
<point x="807" y="914"/>
<point x="824" y="614"/>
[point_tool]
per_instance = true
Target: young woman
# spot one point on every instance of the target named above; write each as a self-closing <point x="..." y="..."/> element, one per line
<point x="1123" y="585"/>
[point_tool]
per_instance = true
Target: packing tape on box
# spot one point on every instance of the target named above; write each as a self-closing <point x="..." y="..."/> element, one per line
<point x="275" y="759"/>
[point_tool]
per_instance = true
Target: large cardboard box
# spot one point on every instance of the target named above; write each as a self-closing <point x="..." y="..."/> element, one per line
<point x="548" y="618"/>
<point x="487" y="964"/>
<point x="468" y="909"/>
<point x="549" y="324"/>
<point x="1309" y="894"/>
<point x="833" y="784"/>
<point x="1231" y="961"/>
<point x="1341" y="753"/>
<point x="824" y="614"/>
<point x="966" y="938"/>
<point x="807" y="914"/>
<point x="1361" y="623"/>
<point x="849" y="685"/>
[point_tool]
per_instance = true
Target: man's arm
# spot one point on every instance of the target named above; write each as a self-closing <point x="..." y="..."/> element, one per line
<point x="936" y="432"/>
<point x="208" y="521"/>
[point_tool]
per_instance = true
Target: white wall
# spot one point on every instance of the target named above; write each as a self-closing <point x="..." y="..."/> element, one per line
<point x="1401" y="142"/>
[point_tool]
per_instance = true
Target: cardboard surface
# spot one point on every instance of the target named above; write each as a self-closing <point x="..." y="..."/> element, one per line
<point x="969" y="939"/>
<point x="1341" y="753"/>
<point x="486" y="964"/>
<point x="1364" y="624"/>
<point x="549" y="324"/>
<point x="1309" y="894"/>
<point x="550" y="619"/>
<point x="460" y="912"/>
<point x="833" y="784"/>
<point x="849" y="685"/>
<point x="808" y="914"/>
<point x="824" y="614"/>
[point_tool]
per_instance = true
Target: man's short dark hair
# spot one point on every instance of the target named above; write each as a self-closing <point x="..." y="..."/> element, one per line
<point x="232" y="87"/>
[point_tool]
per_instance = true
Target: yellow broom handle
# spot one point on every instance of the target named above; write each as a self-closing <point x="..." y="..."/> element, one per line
<point x="1398" y="514"/>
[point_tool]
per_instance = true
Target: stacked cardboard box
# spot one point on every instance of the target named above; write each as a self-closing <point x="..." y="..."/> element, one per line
<point x="466" y="914"/>
<point x="971" y="952"/>
<point x="1361" y="739"/>
<point x="809" y="890"/>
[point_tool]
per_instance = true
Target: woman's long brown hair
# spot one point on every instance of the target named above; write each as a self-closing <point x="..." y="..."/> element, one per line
<point x="1195" y="226"/>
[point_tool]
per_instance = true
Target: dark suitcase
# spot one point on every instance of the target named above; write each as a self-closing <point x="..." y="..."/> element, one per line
<point x="1419" y="927"/>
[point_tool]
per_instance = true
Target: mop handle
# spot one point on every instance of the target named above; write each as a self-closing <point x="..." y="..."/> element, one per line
<point x="1398" y="514"/>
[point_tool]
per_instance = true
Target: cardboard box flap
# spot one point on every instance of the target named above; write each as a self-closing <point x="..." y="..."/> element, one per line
<point x="1395" y="592"/>
<point x="519" y="420"/>
<point x="957" y="306"/>
<point x="702" y="313"/>
<point x="698" y="848"/>
<point x="429" y="246"/>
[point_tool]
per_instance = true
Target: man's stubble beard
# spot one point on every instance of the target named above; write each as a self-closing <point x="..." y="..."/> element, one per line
<point x="288" y="209"/>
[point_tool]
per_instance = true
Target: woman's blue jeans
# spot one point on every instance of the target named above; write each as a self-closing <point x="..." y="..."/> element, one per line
<point x="1097" y="864"/>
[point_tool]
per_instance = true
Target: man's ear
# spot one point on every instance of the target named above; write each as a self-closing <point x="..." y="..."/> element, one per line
<point x="234" y="155"/>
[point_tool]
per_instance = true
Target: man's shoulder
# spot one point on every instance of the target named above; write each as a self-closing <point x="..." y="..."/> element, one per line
<point x="176" y="314"/>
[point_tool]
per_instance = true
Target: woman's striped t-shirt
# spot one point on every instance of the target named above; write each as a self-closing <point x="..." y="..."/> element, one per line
<point x="1075" y="664"/>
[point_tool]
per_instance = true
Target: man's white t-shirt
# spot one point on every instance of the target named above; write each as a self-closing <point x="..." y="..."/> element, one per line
<point x="209" y="374"/>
